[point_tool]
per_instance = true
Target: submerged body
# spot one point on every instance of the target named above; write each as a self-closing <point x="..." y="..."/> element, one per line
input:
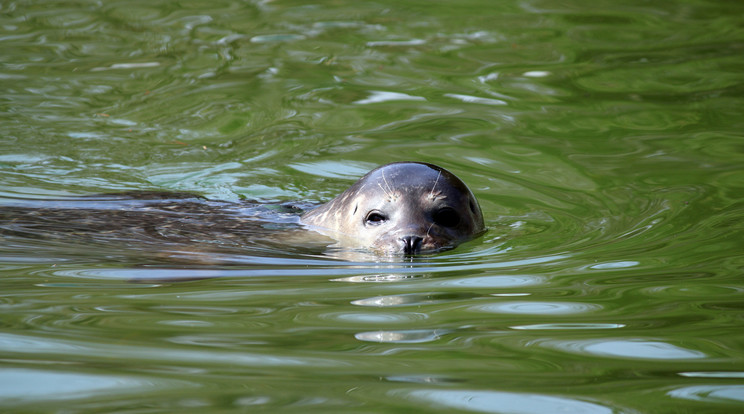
<point x="401" y="208"/>
<point x="157" y="224"/>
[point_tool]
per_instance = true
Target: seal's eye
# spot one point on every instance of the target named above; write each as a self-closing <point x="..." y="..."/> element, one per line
<point x="447" y="217"/>
<point x="375" y="218"/>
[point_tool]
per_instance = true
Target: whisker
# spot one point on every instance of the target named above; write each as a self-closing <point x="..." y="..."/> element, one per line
<point x="384" y="190"/>
<point x="387" y="184"/>
<point x="431" y="194"/>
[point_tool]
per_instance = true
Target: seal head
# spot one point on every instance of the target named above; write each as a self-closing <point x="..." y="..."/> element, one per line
<point x="401" y="208"/>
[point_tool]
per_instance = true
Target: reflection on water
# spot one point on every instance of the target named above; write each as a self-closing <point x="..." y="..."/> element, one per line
<point x="711" y="393"/>
<point x="537" y="308"/>
<point x="602" y="140"/>
<point x="400" y="336"/>
<point x="505" y="402"/>
<point x="570" y="326"/>
<point x="628" y="348"/>
<point x="414" y="299"/>
<point x="38" y="385"/>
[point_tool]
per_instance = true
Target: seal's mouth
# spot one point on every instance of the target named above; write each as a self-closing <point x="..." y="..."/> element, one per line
<point x="411" y="245"/>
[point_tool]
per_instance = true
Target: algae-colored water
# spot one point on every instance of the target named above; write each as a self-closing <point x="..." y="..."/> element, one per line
<point x="603" y="139"/>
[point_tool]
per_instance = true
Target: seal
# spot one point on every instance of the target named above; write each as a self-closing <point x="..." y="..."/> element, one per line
<point x="401" y="208"/>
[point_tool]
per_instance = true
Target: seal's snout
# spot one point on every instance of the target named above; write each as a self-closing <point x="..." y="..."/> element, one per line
<point x="411" y="244"/>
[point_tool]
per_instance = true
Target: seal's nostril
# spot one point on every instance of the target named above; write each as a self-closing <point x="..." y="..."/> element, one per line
<point x="411" y="244"/>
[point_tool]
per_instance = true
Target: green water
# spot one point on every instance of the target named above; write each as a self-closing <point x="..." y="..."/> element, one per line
<point x="603" y="139"/>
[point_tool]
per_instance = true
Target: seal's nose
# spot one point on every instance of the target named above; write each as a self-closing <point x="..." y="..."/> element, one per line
<point x="411" y="244"/>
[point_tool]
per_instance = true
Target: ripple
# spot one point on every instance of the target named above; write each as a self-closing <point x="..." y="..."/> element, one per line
<point x="688" y="290"/>
<point x="411" y="299"/>
<point x="383" y="96"/>
<point x="333" y="169"/>
<point x="276" y="38"/>
<point x="39" y="385"/>
<point x="505" y="402"/>
<point x="626" y="349"/>
<point x="372" y="318"/>
<point x="536" y="308"/>
<point x="476" y="99"/>
<point x="615" y="265"/>
<point x="31" y="347"/>
<point x="498" y="281"/>
<point x="226" y="341"/>
<point x="713" y="374"/>
<point x="673" y="78"/>
<point x="187" y="323"/>
<point x="423" y="379"/>
<point x="394" y="43"/>
<point x="204" y="310"/>
<point x="252" y="401"/>
<point x="138" y="274"/>
<point x="403" y="337"/>
<point x="164" y="275"/>
<point x="377" y="278"/>
<point x="536" y="74"/>
<point x="130" y="65"/>
<point x="568" y="326"/>
<point x="86" y="317"/>
<point x="710" y="393"/>
<point x="83" y="285"/>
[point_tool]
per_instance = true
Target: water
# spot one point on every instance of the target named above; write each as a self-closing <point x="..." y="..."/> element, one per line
<point x="603" y="140"/>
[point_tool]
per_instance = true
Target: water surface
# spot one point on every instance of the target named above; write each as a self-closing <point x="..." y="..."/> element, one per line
<point x="603" y="140"/>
